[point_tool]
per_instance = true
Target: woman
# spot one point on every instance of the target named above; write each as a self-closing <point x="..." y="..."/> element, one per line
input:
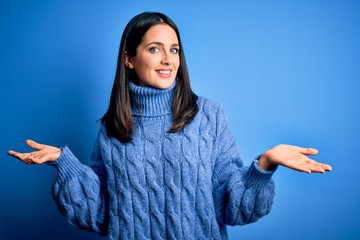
<point x="164" y="165"/>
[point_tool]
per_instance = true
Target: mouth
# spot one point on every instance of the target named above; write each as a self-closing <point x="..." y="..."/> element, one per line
<point x="164" y="72"/>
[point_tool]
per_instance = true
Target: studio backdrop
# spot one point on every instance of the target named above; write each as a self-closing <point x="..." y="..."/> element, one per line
<point x="283" y="71"/>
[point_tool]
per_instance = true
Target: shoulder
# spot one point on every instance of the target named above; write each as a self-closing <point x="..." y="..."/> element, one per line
<point x="211" y="116"/>
<point x="210" y="108"/>
<point x="102" y="135"/>
<point x="206" y="104"/>
<point x="102" y="129"/>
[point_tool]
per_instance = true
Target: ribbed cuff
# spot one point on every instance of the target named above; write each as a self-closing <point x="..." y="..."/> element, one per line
<point x="255" y="177"/>
<point x="67" y="165"/>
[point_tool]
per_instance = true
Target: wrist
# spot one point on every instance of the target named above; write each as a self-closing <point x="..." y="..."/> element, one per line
<point x="265" y="163"/>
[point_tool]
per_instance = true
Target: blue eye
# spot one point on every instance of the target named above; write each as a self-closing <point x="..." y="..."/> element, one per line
<point x="154" y="49"/>
<point x="174" y="50"/>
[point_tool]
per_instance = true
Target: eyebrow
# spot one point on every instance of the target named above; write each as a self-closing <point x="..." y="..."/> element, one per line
<point x="162" y="44"/>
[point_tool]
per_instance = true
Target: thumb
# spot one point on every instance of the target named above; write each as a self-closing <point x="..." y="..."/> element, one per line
<point x="309" y="151"/>
<point x="34" y="144"/>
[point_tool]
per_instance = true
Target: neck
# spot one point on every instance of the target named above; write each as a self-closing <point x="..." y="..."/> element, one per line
<point x="149" y="101"/>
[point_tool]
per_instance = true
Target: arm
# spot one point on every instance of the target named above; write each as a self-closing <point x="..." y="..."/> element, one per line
<point x="80" y="194"/>
<point x="79" y="190"/>
<point x="241" y="194"/>
<point x="246" y="194"/>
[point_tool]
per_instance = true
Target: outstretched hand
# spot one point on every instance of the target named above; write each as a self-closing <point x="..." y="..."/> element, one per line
<point x="43" y="153"/>
<point x="292" y="157"/>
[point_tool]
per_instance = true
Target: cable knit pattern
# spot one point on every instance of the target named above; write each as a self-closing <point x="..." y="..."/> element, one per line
<point x="184" y="185"/>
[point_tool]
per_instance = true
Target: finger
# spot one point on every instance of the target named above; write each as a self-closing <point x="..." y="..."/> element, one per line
<point x="318" y="167"/>
<point x="309" y="151"/>
<point x="303" y="168"/>
<point x="300" y="166"/>
<point x="11" y="153"/>
<point x="34" y="159"/>
<point x="38" y="158"/>
<point x="327" y="167"/>
<point x="21" y="156"/>
<point x="28" y="160"/>
<point x="24" y="157"/>
<point x="324" y="166"/>
<point x="34" y="144"/>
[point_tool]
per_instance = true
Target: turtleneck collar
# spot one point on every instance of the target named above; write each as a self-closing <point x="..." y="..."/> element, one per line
<point x="149" y="101"/>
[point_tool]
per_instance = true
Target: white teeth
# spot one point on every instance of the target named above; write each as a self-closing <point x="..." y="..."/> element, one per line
<point x="164" y="72"/>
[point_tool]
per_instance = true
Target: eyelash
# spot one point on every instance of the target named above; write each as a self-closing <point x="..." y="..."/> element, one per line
<point x="174" y="49"/>
<point x="156" y="49"/>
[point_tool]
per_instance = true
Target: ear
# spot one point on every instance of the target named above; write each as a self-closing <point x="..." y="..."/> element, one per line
<point x="128" y="61"/>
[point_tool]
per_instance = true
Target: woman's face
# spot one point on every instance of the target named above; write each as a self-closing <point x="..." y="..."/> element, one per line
<point x="157" y="57"/>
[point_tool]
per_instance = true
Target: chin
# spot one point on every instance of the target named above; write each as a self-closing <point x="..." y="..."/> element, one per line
<point x="163" y="85"/>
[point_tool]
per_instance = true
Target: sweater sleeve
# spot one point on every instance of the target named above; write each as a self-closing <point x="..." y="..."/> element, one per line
<point x="242" y="194"/>
<point x="79" y="190"/>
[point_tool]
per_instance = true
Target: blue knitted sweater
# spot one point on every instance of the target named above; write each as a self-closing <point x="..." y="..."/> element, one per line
<point x="184" y="185"/>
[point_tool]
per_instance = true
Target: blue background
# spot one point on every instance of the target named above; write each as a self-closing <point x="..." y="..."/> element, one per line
<point x="284" y="72"/>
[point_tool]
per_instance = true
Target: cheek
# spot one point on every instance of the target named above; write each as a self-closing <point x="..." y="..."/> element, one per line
<point x="142" y="67"/>
<point x="177" y="62"/>
<point x="147" y="64"/>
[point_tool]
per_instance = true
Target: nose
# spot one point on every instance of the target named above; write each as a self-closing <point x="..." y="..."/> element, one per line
<point x="166" y="58"/>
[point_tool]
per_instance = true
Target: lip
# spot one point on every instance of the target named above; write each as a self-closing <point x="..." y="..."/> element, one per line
<point x="165" y="73"/>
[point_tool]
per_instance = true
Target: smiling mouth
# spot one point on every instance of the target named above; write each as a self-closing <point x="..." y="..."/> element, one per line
<point x="164" y="72"/>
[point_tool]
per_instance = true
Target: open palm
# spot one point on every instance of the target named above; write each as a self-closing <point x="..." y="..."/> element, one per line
<point x="43" y="153"/>
<point x="292" y="157"/>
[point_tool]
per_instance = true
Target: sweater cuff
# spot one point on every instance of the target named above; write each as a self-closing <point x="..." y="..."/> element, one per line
<point x="67" y="165"/>
<point x="257" y="178"/>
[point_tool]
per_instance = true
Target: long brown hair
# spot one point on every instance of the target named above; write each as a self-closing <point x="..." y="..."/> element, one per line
<point x="118" y="118"/>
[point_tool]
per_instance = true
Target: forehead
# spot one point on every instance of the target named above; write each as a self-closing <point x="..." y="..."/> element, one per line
<point x="162" y="33"/>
